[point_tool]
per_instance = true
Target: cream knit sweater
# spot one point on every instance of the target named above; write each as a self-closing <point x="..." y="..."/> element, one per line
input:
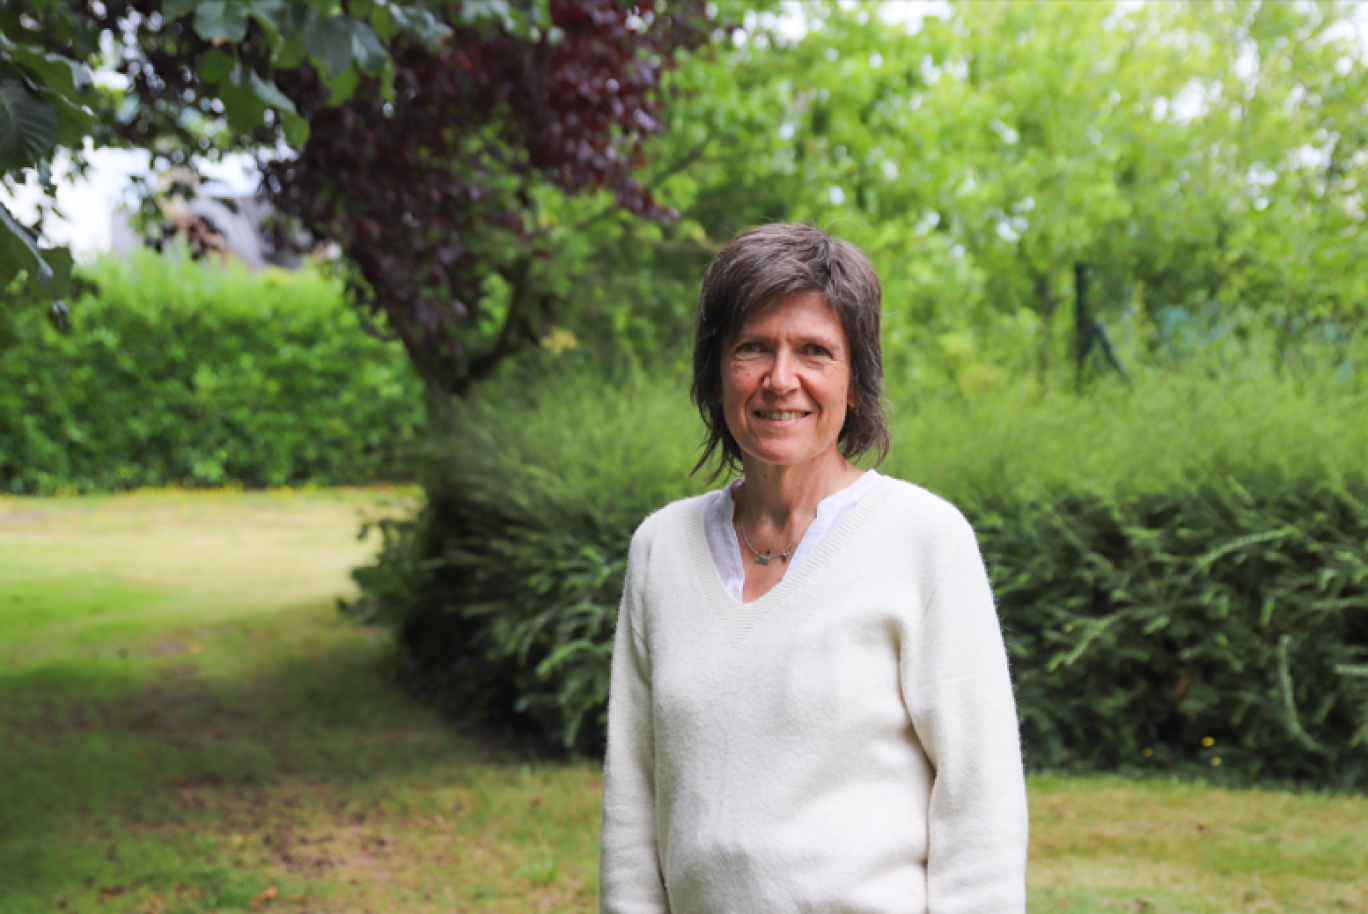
<point x="846" y="744"/>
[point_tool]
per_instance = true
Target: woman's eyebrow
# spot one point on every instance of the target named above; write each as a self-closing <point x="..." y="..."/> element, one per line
<point x="814" y="337"/>
<point x="753" y="336"/>
<point x="824" y="341"/>
<point x="749" y="336"/>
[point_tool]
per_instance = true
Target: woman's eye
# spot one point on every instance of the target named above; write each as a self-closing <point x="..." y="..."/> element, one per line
<point x="748" y="348"/>
<point x="819" y="350"/>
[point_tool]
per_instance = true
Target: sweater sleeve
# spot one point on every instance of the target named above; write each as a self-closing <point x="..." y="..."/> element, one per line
<point x="630" y="879"/>
<point x="959" y="696"/>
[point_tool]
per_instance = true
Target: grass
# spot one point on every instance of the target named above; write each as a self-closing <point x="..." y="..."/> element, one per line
<point x="582" y="440"/>
<point x="187" y="725"/>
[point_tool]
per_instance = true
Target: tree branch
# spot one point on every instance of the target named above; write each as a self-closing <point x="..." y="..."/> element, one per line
<point x="689" y="158"/>
<point x="514" y="333"/>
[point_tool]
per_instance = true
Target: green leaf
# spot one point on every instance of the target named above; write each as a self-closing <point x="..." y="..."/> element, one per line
<point x="275" y="17"/>
<point x="418" y="21"/>
<point x="485" y="12"/>
<point x="243" y="106"/>
<point x="64" y="75"/>
<point x="28" y="125"/>
<point x="174" y="9"/>
<point x="383" y="21"/>
<point x="293" y="52"/>
<point x="343" y="87"/>
<point x="329" y="41"/>
<point x="222" y="19"/>
<point x="215" y="65"/>
<point x="296" y="130"/>
<point x="60" y="263"/>
<point x="60" y="81"/>
<point x="270" y="94"/>
<point x="367" y="50"/>
<point x="19" y="250"/>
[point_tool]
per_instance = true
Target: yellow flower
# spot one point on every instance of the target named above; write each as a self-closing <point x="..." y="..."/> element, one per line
<point x="1216" y="761"/>
<point x="1147" y="752"/>
<point x="1208" y="742"/>
<point x="559" y="340"/>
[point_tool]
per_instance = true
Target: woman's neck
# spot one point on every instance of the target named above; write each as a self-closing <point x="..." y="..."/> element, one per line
<point x="782" y="498"/>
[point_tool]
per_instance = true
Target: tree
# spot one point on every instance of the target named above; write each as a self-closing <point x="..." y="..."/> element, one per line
<point x="1153" y="145"/>
<point x="45" y="99"/>
<point x="419" y="138"/>
<point x="435" y="197"/>
<point x="1201" y="163"/>
<point x="220" y="98"/>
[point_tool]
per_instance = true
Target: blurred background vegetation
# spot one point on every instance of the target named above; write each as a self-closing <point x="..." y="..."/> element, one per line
<point x="1124" y="329"/>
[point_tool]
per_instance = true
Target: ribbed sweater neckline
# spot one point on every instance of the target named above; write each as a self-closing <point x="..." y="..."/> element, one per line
<point x="738" y="619"/>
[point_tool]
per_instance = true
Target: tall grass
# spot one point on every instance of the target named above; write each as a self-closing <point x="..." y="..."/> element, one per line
<point x="609" y="441"/>
<point x="576" y="435"/>
<point x="1175" y="558"/>
<point x="1167" y="432"/>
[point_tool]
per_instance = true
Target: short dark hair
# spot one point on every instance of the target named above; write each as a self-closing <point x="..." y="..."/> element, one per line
<point x="758" y="268"/>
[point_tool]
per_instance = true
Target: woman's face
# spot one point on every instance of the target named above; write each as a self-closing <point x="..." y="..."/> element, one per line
<point x="786" y="381"/>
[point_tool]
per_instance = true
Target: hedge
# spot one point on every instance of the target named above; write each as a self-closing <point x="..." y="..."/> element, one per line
<point x="1215" y="623"/>
<point x="198" y="375"/>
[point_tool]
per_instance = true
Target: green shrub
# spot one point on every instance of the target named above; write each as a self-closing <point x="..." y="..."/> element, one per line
<point x="192" y="374"/>
<point x="504" y="589"/>
<point x="1172" y="430"/>
<point x="1174" y="563"/>
<point x="1211" y="627"/>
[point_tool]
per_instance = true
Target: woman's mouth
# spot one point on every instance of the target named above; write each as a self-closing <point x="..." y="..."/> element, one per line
<point x="779" y="416"/>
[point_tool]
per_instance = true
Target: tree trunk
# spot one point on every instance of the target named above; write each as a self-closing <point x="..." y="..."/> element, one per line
<point x="1045" y="296"/>
<point x="1083" y="323"/>
<point x="441" y="413"/>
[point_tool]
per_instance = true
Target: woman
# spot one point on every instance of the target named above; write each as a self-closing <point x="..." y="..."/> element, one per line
<point x="810" y="708"/>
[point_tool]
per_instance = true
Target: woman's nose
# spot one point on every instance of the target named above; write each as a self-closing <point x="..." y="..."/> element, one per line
<point x="782" y="376"/>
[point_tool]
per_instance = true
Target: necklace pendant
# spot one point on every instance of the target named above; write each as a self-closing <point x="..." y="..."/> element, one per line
<point x="784" y="556"/>
<point x="762" y="560"/>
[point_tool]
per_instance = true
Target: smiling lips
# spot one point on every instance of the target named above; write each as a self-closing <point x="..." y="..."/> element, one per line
<point x="778" y="416"/>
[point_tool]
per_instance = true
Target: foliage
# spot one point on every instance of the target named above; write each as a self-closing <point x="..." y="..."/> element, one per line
<point x="1195" y="161"/>
<point x="1177" y="426"/>
<point x="426" y="158"/>
<point x="480" y="636"/>
<point x="1155" y="585"/>
<point x="413" y="136"/>
<point x="222" y="98"/>
<point x="1212" y="626"/>
<point x="430" y="195"/>
<point x="1191" y="159"/>
<point x="46" y="102"/>
<point x="502" y="617"/>
<point x="186" y="374"/>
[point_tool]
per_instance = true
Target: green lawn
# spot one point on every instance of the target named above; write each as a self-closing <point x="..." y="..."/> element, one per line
<point x="187" y="725"/>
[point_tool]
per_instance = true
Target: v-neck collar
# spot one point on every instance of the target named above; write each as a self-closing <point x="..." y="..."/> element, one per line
<point x="737" y="618"/>
<point x="719" y="511"/>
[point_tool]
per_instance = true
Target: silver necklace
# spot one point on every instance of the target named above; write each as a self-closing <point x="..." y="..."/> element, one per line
<point x="765" y="559"/>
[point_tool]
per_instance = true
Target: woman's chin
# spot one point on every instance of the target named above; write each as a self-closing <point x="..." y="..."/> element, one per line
<point x="782" y="456"/>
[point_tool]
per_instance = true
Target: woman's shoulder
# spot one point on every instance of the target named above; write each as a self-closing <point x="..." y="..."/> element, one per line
<point x="672" y="520"/>
<point x="919" y="512"/>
